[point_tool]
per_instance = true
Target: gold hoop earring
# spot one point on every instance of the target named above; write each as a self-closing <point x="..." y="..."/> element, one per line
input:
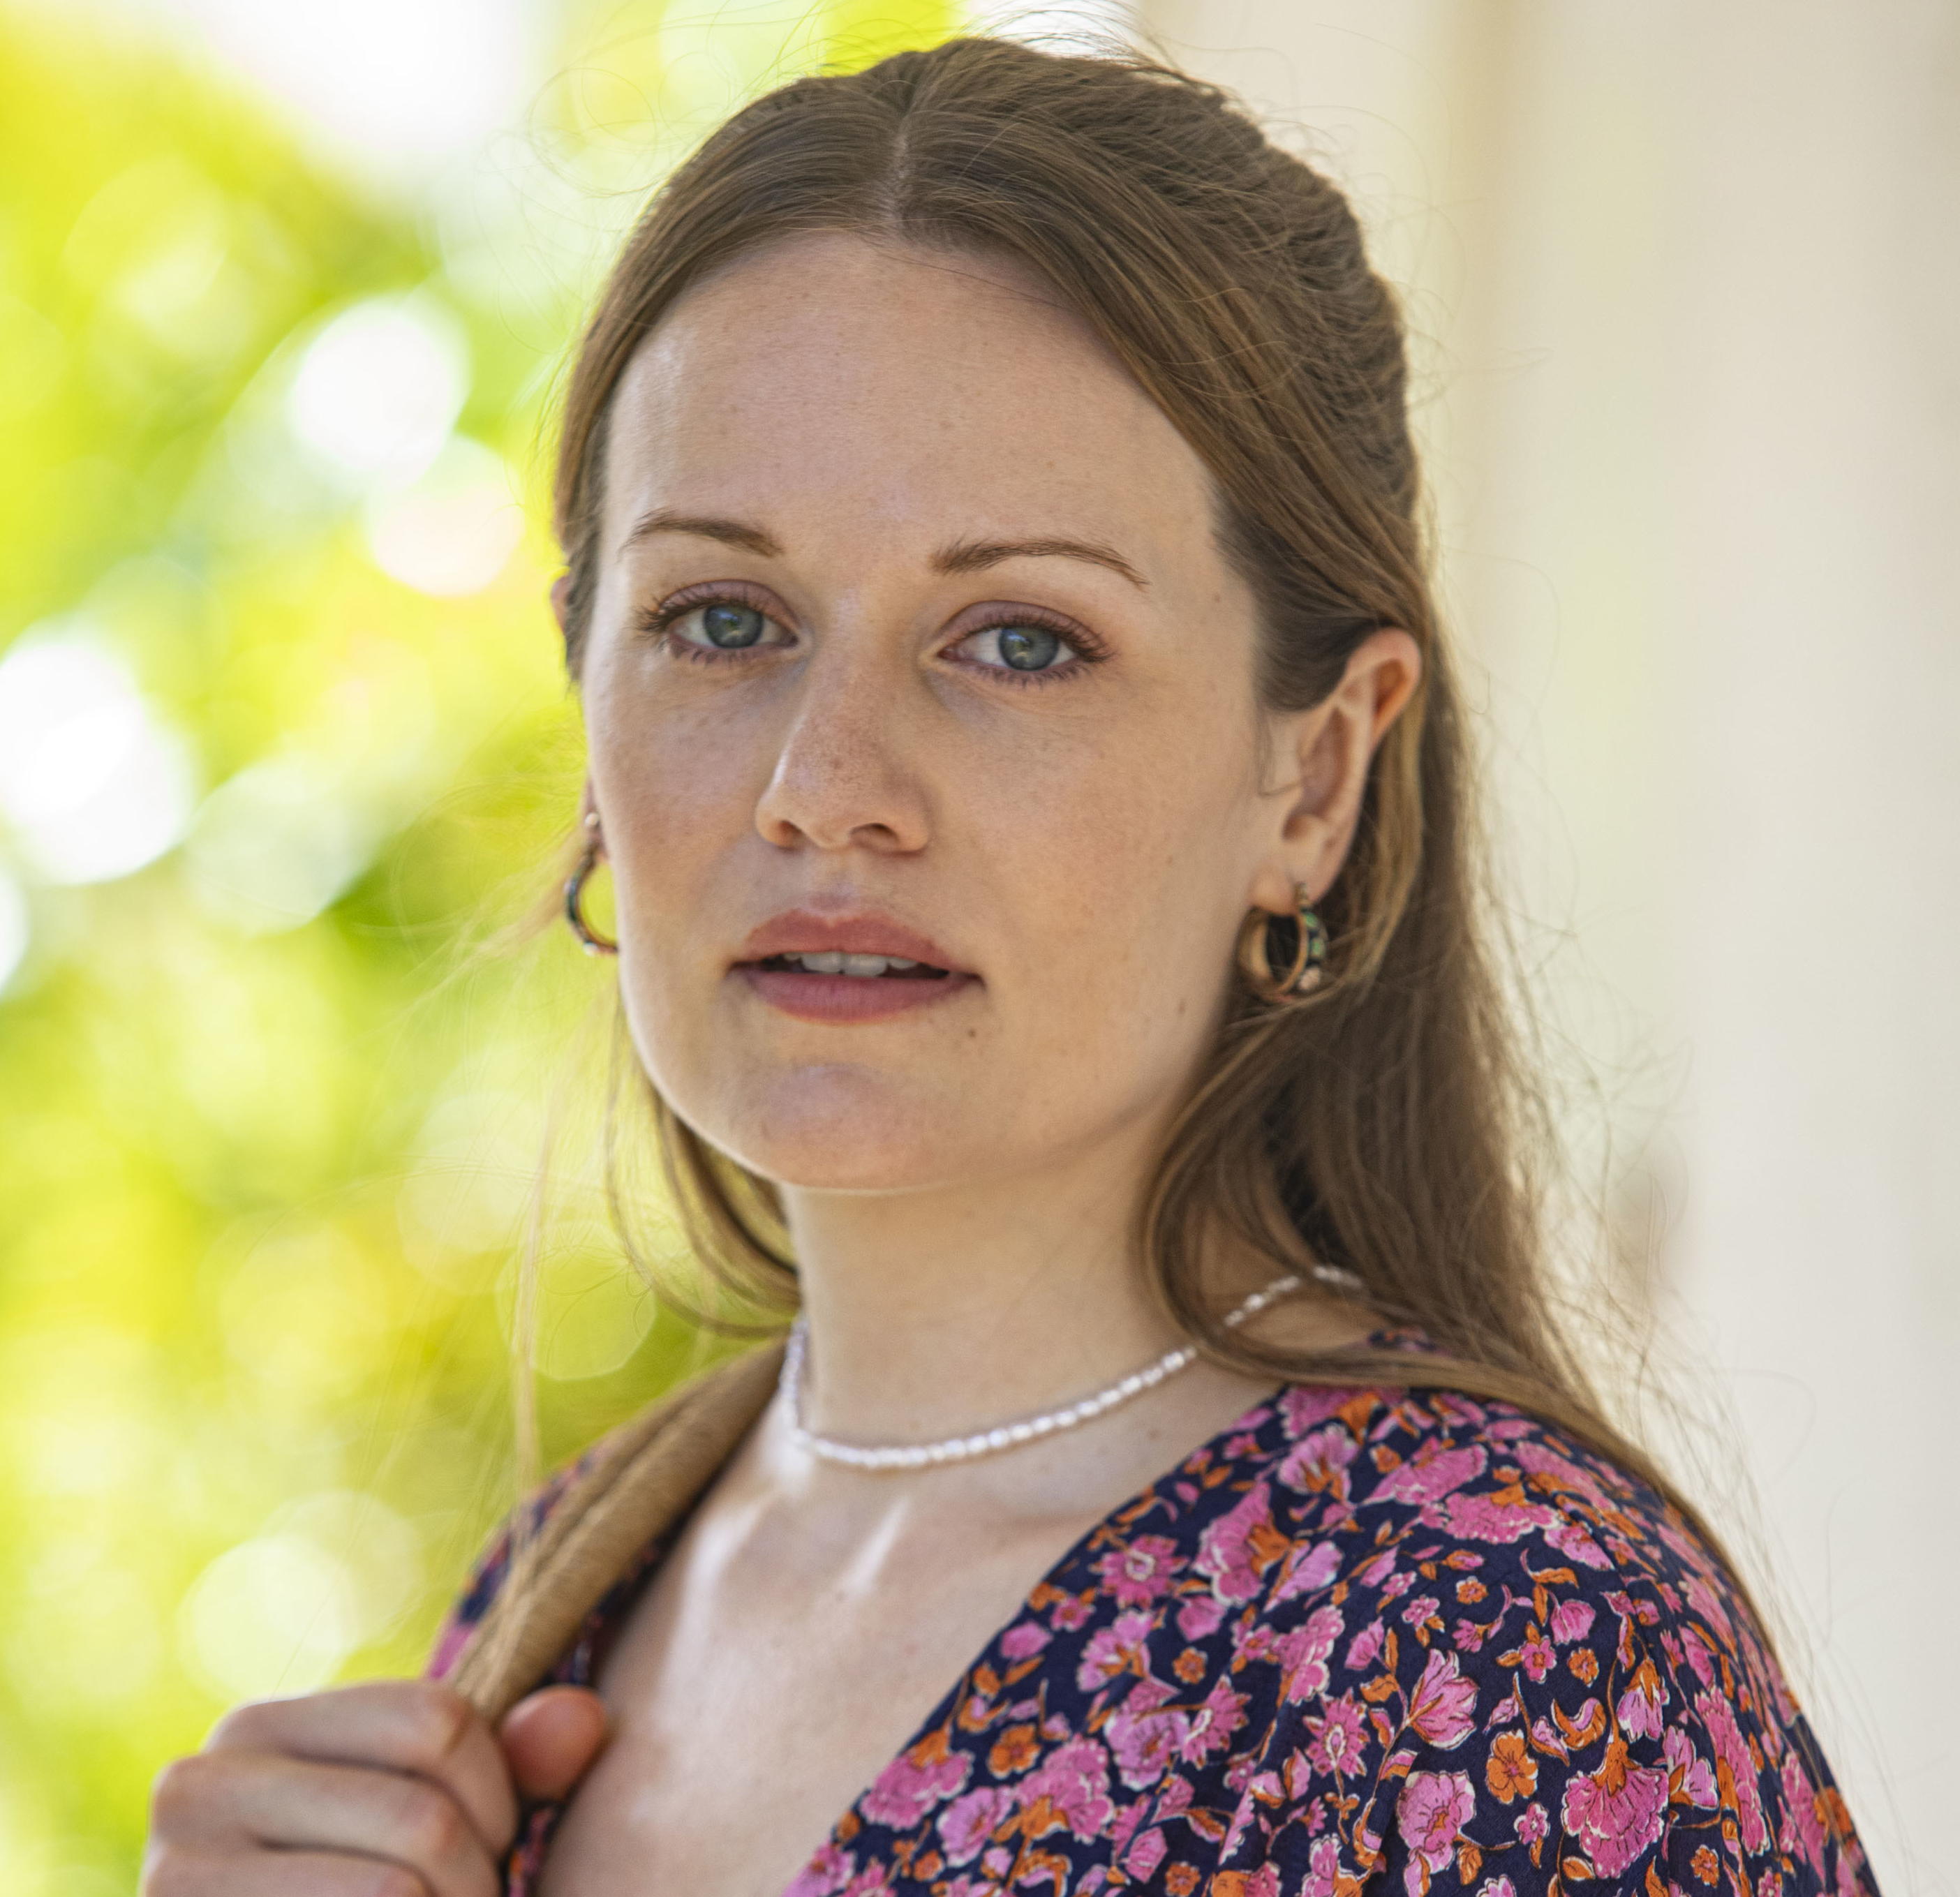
<point x="1305" y="963"/>
<point x="588" y="938"/>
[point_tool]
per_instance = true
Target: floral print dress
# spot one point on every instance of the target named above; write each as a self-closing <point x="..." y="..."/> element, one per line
<point x="1370" y="1641"/>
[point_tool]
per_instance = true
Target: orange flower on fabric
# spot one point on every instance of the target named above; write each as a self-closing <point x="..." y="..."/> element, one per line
<point x="1510" y="1772"/>
<point x="1014" y="1751"/>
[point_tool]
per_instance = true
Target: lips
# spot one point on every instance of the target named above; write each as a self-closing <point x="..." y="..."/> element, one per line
<point x="842" y="998"/>
<point x="805" y="932"/>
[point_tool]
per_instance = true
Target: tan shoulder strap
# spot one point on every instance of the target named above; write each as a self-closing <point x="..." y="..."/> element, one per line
<point x="648" y="1474"/>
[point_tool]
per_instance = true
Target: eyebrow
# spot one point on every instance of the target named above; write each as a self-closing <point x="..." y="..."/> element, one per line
<point x="706" y="526"/>
<point x="970" y="556"/>
<point x="962" y="556"/>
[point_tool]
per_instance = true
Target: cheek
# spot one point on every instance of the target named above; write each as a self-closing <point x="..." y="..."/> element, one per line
<point x="673" y="787"/>
<point x="1129" y="895"/>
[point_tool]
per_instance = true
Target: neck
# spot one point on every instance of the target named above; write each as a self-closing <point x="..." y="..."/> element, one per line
<point x="937" y="1312"/>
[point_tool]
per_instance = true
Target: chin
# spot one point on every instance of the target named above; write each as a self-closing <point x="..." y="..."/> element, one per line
<point x="838" y="1127"/>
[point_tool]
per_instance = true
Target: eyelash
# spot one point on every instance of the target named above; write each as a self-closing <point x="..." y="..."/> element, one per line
<point x="658" y="622"/>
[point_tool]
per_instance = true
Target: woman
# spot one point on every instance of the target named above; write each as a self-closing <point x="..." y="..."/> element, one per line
<point x="1033" y="783"/>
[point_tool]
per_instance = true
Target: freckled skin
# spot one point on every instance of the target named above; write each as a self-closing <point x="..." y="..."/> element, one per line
<point x="1085" y="845"/>
<point x="959" y="1179"/>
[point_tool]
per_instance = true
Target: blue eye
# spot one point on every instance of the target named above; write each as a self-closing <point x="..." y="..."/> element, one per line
<point x="1021" y="648"/>
<point x="1027" y="648"/>
<point x="732" y="627"/>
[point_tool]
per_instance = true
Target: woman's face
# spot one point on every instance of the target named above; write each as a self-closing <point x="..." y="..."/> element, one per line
<point x="912" y="637"/>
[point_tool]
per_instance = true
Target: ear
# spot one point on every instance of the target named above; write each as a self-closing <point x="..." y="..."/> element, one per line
<point x="561" y="592"/>
<point x="1322" y="757"/>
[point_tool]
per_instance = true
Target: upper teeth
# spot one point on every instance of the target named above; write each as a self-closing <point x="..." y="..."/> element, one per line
<point x="832" y="962"/>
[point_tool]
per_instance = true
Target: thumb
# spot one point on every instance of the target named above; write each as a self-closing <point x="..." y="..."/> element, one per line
<point x="552" y="1737"/>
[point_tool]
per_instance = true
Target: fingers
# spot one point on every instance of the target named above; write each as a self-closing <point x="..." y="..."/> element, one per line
<point x="552" y="1738"/>
<point x="174" y="1872"/>
<point x="259" y="1809"/>
<point x="413" y="1726"/>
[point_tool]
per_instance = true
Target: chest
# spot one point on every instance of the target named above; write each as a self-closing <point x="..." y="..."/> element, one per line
<point x="758" y="1687"/>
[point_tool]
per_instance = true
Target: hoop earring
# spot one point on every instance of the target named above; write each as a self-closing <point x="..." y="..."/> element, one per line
<point x="589" y="939"/>
<point x="1307" y="962"/>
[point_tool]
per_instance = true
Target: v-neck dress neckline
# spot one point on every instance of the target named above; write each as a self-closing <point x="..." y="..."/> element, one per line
<point x="609" y="1620"/>
<point x="1024" y="1623"/>
<point x="1375" y="1633"/>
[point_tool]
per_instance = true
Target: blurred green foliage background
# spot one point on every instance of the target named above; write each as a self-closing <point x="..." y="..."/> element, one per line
<point x="284" y="751"/>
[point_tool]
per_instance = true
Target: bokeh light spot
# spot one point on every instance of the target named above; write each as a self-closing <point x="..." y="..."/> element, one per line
<point x="273" y="1615"/>
<point x="379" y="389"/>
<point x="451" y="532"/>
<point x="92" y="784"/>
<point x="275" y="845"/>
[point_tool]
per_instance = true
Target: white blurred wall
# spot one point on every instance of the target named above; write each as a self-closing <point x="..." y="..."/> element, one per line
<point x="1685" y="280"/>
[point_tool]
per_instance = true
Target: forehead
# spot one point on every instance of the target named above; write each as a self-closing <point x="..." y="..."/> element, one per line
<point x="826" y="377"/>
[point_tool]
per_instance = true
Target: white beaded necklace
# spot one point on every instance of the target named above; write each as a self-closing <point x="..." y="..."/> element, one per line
<point x="989" y="1442"/>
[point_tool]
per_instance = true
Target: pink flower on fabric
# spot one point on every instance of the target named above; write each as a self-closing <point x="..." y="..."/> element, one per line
<point x="1071" y="1789"/>
<point x="1442" y="1708"/>
<point x="1732" y="1756"/>
<point x="1690" y="1778"/>
<point x="1696" y="1650"/>
<point x="1212" y="1726"/>
<point x="874" y="1880"/>
<point x="1430" y="1814"/>
<point x="828" y="1872"/>
<point x="1030" y="1636"/>
<point x="1707" y="1606"/>
<point x="1422" y="1609"/>
<point x="1200" y="1615"/>
<point x="1572" y="1620"/>
<point x="1802" y="1829"/>
<point x="1144" y="1857"/>
<point x="1532" y="1824"/>
<point x="1534" y="1459"/>
<point x="1145" y="1743"/>
<point x="966" y="1824"/>
<point x="1237" y="1547"/>
<point x="1340" y="1738"/>
<point x="908" y="1788"/>
<point x="1304" y="1650"/>
<point x="1428" y="1479"/>
<point x="1304" y="1405"/>
<point x="1638" y="1712"/>
<point x="1069" y="1613"/>
<point x="1617" y="1811"/>
<point x="1537" y="1656"/>
<point x="1308" y="1570"/>
<point x="1138" y="1574"/>
<point x="1364" y="1646"/>
<point x="1479" y="1518"/>
<point x="1319" y="1463"/>
<point x="1323" y="1868"/>
<point x="1263" y="1882"/>
<point x="1575" y="1544"/>
<point x="1114" y="1650"/>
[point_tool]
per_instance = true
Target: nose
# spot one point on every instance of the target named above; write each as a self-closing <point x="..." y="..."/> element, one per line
<point x="844" y="772"/>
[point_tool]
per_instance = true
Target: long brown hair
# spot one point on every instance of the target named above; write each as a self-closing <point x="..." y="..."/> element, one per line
<point x="1390" y="1125"/>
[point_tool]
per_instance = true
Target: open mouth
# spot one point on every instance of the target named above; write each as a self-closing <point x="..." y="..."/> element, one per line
<point x="868" y="968"/>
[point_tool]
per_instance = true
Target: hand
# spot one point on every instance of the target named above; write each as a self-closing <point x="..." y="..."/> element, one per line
<point x="395" y="1788"/>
